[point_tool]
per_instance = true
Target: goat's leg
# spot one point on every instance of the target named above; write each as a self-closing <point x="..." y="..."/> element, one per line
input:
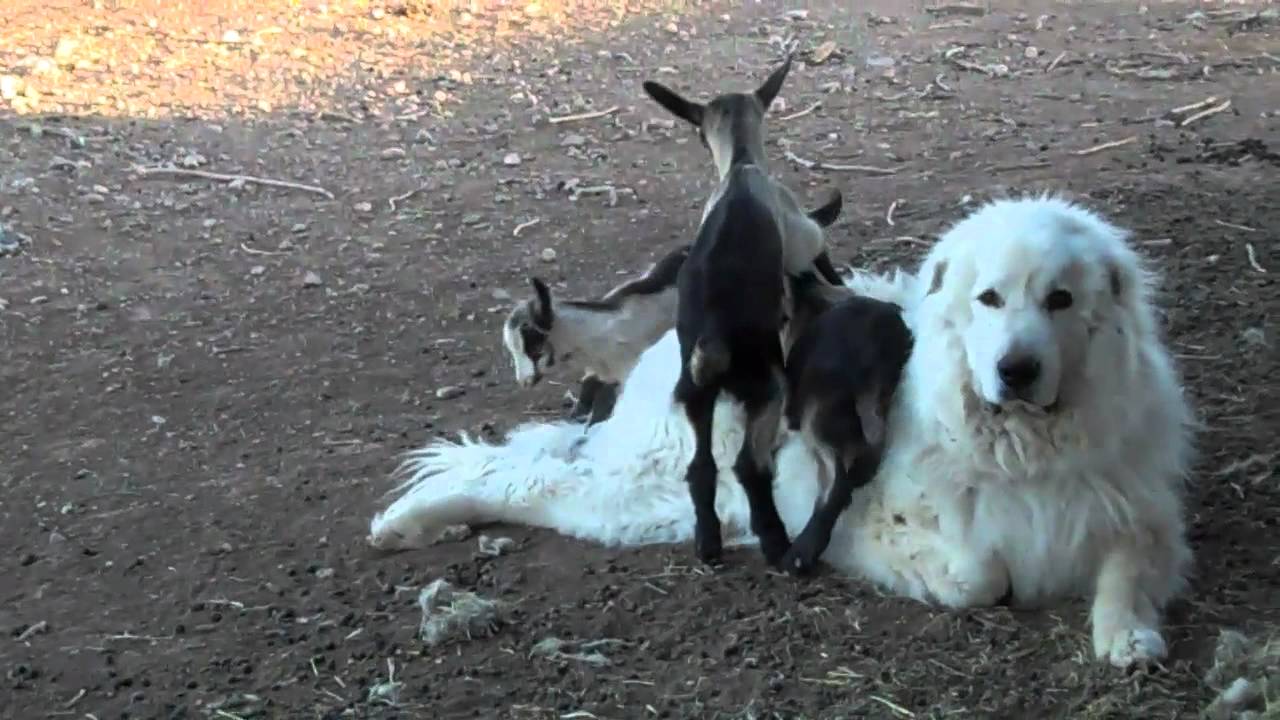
<point x="754" y="468"/>
<point x="813" y="540"/>
<point x="701" y="475"/>
<point x="586" y="398"/>
<point x="827" y="269"/>
<point x="602" y="406"/>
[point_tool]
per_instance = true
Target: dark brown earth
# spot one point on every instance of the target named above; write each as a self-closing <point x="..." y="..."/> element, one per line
<point x="196" y="434"/>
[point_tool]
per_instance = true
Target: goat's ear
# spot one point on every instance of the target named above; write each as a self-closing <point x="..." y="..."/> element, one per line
<point x="827" y="213"/>
<point x="939" y="275"/>
<point x="769" y="90"/>
<point x="542" y="297"/>
<point x="686" y="110"/>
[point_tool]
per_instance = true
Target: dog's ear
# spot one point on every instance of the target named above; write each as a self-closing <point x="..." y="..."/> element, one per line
<point x="827" y="213"/>
<point x="939" y="275"/>
<point x="541" y="302"/>
<point x="772" y="84"/>
<point x="686" y="110"/>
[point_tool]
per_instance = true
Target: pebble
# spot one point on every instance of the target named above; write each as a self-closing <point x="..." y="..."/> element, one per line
<point x="449" y="392"/>
<point x="94" y="197"/>
<point x="471" y="219"/>
<point x="511" y="159"/>
<point x="298" y="228"/>
<point x="573" y="140"/>
<point x="1031" y="52"/>
<point x="548" y="255"/>
<point x="257" y="270"/>
<point x="312" y="279"/>
<point x="231" y="36"/>
<point x="363" y="206"/>
<point x="10" y="86"/>
<point x="393" y="153"/>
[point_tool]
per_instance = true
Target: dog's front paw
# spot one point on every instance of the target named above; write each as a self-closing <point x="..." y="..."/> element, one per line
<point x="1127" y="647"/>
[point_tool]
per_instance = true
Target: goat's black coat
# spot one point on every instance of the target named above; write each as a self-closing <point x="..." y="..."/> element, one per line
<point x="730" y="311"/>
<point x="842" y="372"/>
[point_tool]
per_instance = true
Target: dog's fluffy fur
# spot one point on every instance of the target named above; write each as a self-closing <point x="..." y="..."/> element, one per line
<point x="1074" y="490"/>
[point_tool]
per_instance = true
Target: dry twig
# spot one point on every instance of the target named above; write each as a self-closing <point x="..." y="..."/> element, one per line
<point x="583" y="116"/>
<point x="1205" y="113"/>
<point x="1054" y="63"/>
<point x="222" y="177"/>
<point x="391" y="201"/>
<point x="888" y="216"/>
<point x="255" y="251"/>
<point x="1253" y="258"/>
<point x="522" y="226"/>
<point x="1106" y="146"/>
<point x="801" y="113"/>
<point x="1194" y="106"/>
<point x="819" y="165"/>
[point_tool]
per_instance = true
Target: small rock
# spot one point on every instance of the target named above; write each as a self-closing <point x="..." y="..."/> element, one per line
<point x="573" y="140"/>
<point x="298" y="228"/>
<point x="39" y="299"/>
<point x="378" y="13"/>
<point x="449" y="392"/>
<point x="311" y="279"/>
<point x="10" y="87"/>
<point x="500" y="294"/>
<point x="471" y="219"/>
<point x="548" y="255"/>
<point x="673" y="28"/>
<point x="363" y="206"/>
<point x="1031" y="52"/>
<point x="64" y="52"/>
<point x="821" y="53"/>
<point x="231" y="36"/>
<point x="193" y="160"/>
<point x="324" y="573"/>
<point x="424" y="136"/>
<point x="393" y="153"/>
<point x="511" y="159"/>
<point x="93" y="197"/>
<point x="257" y="270"/>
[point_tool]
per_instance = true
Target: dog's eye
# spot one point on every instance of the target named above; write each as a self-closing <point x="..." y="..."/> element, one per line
<point x="1058" y="300"/>
<point x="991" y="299"/>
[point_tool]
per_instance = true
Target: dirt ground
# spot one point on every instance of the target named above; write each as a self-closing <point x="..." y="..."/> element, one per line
<point x="205" y="384"/>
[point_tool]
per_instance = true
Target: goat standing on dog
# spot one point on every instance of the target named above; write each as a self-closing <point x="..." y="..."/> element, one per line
<point x="608" y="334"/>
<point x="731" y="305"/>
<point x="843" y="366"/>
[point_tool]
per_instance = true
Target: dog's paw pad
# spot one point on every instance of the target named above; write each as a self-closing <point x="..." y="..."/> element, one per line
<point x="1135" y="646"/>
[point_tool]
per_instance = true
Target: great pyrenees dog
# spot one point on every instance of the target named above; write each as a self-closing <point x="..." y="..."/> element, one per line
<point x="1037" y="447"/>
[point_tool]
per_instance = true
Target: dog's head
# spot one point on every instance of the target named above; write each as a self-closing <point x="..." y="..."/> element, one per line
<point x="1029" y="287"/>
<point x="527" y="335"/>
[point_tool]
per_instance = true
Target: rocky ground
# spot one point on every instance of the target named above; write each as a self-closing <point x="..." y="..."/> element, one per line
<point x="207" y="378"/>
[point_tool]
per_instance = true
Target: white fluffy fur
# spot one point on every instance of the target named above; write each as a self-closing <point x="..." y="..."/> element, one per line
<point x="1085" y="500"/>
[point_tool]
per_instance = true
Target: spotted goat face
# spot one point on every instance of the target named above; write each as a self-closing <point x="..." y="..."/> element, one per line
<point x="527" y="335"/>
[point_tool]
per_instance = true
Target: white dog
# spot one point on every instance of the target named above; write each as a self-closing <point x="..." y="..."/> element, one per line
<point x="1037" y="446"/>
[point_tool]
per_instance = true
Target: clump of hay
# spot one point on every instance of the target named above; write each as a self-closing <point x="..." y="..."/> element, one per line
<point x="1246" y="675"/>
<point x="494" y="547"/>
<point x="448" y="613"/>
<point x="554" y="648"/>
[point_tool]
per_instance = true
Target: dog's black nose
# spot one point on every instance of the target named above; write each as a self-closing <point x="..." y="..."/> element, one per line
<point x="1018" y="371"/>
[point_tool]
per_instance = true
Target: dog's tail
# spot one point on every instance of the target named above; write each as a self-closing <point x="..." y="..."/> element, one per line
<point x="710" y="358"/>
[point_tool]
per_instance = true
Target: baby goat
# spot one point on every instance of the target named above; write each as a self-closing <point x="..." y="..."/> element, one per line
<point x="635" y="314"/>
<point x="842" y="369"/>
<point x="610" y="333"/>
<point x="732" y="305"/>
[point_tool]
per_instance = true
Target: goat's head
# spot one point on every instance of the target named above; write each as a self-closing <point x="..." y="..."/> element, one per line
<point x="731" y="125"/>
<point x="527" y="335"/>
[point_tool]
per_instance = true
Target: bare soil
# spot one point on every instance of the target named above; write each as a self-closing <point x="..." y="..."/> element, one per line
<point x="205" y="384"/>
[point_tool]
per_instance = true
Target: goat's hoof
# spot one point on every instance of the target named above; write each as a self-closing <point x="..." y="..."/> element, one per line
<point x="798" y="562"/>
<point x="803" y="556"/>
<point x="775" y="549"/>
<point x="709" y="549"/>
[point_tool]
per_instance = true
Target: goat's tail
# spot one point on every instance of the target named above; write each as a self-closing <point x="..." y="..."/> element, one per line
<point x="709" y="360"/>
